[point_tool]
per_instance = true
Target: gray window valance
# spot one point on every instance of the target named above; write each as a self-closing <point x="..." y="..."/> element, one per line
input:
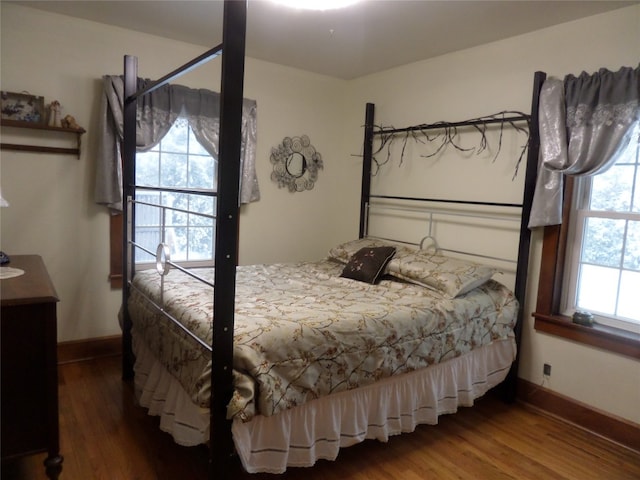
<point x="584" y="122"/>
<point x="156" y="113"/>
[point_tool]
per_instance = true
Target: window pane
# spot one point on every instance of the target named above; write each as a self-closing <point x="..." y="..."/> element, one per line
<point x="147" y="168"/>
<point x="173" y="172"/>
<point x="636" y="196"/>
<point x="603" y="241"/>
<point x="611" y="191"/>
<point x="194" y="146"/>
<point x="200" y="242"/>
<point x="177" y="219"/>
<point x="202" y="205"/>
<point x="597" y="289"/>
<point x="629" y="303"/>
<point x="149" y="238"/>
<point x="182" y="200"/>
<point x="176" y="138"/>
<point x="201" y="172"/>
<point x="147" y="216"/>
<point x="176" y="200"/>
<point x="179" y="238"/>
<point x="632" y="248"/>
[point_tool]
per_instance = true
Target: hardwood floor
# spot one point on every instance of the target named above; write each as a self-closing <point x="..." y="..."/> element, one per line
<point x="104" y="436"/>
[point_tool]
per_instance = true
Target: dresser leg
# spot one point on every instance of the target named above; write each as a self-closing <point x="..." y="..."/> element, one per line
<point x="53" y="466"/>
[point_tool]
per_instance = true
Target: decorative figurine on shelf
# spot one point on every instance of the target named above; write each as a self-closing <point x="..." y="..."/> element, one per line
<point x="54" y="114"/>
<point x="70" y="122"/>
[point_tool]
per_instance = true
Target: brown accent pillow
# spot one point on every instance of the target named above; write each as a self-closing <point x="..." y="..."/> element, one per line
<point x="343" y="252"/>
<point x="368" y="263"/>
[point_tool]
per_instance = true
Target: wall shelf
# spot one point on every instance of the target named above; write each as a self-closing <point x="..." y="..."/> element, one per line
<point x="42" y="148"/>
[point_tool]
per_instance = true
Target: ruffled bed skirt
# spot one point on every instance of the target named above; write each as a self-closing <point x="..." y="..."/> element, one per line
<point x="317" y="430"/>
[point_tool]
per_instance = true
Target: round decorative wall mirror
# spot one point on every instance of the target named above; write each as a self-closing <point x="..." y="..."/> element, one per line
<point x="295" y="164"/>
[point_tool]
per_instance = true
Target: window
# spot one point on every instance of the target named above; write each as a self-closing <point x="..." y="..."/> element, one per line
<point x="177" y="162"/>
<point x="604" y="245"/>
<point x="595" y="267"/>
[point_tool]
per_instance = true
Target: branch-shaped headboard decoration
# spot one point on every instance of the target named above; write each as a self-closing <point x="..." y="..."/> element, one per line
<point x="447" y="133"/>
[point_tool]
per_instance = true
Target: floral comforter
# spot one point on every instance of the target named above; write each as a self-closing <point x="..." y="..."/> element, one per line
<point x="302" y="331"/>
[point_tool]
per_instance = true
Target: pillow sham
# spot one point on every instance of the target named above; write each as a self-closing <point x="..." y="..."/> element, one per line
<point x="452" y="277"/>
<point x="343" y="252"/>
<point x="368" y="263"/>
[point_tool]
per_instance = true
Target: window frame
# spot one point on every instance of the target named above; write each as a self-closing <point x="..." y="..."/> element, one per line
<point x="116" y="230"/>
<point x="583" y="189"/>
<point x="547" y="315"/>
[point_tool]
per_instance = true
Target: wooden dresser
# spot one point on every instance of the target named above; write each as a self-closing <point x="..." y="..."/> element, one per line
<point x="29" y="398"/>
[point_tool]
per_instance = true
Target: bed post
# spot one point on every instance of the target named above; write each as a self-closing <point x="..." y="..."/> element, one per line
<point x="525" y="234"/>
<point x="226" y="247"/>
<point x="367" y="157"/>
<point x="128" y="191"/>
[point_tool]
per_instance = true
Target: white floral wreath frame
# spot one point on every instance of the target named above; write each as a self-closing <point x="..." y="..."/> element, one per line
<point x="295" y="164"/>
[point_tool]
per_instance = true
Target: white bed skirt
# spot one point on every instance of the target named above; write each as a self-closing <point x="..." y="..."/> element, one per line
<point x="317" y="430"/>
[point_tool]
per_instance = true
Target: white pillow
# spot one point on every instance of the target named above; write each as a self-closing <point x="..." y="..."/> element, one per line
<point x="450" y="276"/>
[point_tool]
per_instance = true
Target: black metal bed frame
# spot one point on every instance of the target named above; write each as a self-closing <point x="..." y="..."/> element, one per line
<point x="370" y="131"/>
<point x="232" y="52"/>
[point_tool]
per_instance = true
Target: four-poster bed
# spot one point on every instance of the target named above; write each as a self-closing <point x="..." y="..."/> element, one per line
<point x="301" y="357"/>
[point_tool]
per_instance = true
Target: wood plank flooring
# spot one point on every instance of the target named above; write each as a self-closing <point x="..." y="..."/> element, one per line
<point x="105" y="436"/>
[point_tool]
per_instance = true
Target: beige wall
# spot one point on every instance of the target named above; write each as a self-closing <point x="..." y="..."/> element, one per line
<point x="52" y="212"/>
<point x="499" y="76"/>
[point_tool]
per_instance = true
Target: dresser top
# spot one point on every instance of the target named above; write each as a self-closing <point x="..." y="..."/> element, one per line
<point x="33" y="287"/>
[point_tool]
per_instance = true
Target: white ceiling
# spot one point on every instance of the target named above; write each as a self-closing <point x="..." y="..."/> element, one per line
<point x="368" y="37"/>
